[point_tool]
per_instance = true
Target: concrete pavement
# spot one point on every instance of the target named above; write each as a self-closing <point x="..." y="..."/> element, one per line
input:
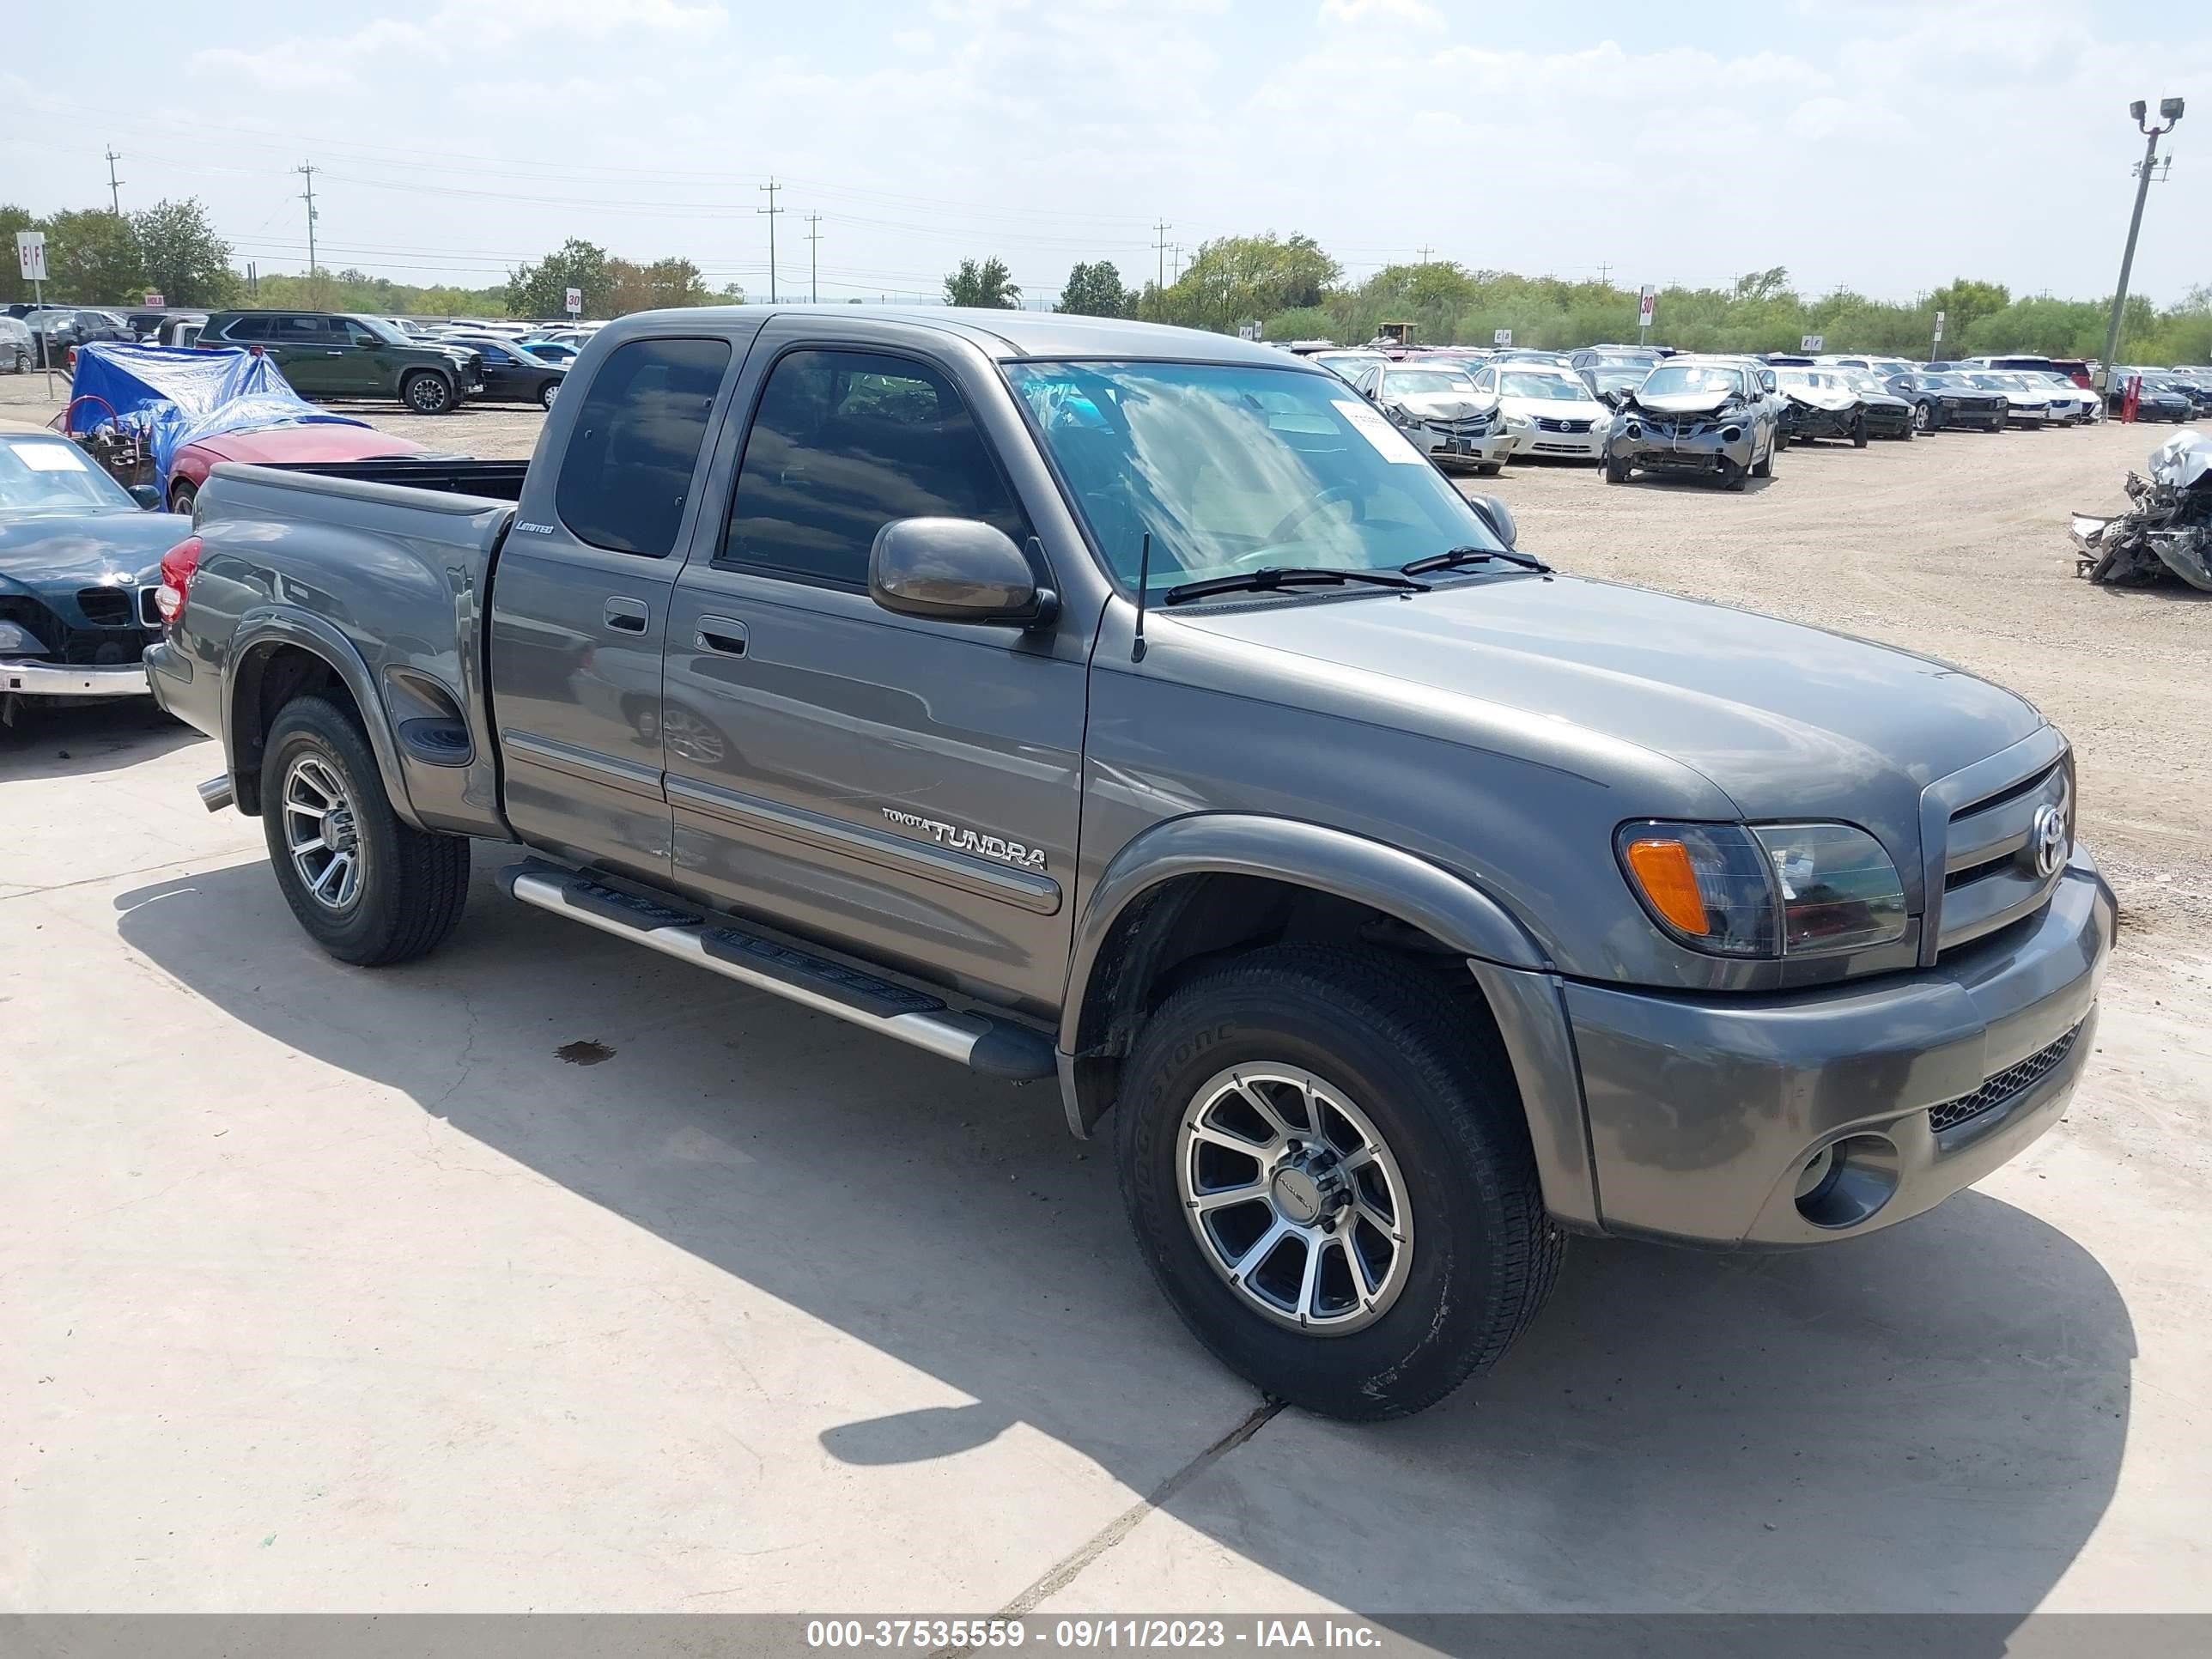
<point x="333" y="1288"/>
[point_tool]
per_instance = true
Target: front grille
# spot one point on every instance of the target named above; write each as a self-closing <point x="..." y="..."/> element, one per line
<point x="77" y="647"/>
<point x="1997" y="1090"/>
<point x="104" y="607"/>
<point x="1989" y="879"/>
<point x="1552" y="423"/>
<point x="150" y="608"/>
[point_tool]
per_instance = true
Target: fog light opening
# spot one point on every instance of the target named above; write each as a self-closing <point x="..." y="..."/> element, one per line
<point x="1846" y="1182"/>
<point x="1733" y="435"/>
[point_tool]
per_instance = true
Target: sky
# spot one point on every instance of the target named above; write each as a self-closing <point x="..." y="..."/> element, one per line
<point x="1884" y="147"/>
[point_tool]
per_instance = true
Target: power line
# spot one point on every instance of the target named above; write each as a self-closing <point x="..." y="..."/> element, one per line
<point x="771" y="209"/>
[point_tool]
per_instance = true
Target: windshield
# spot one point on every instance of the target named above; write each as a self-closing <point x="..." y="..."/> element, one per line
<point x="1231" y="468"/>
<point x="1428" y="379"/>
<point x="51" y="474"/>
<point x="1616" y="377"/>
<point x="1540" y="383"/>
<point x="1677" y="380"/>
<point x="1861" y="380"/>
<point x="1994" y="382"/>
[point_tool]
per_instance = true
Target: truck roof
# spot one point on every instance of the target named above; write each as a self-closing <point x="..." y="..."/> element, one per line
<point x="1004" y="334"/>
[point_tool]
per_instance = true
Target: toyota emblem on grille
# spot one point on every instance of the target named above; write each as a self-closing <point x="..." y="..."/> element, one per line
<point x="2046" y="839"/>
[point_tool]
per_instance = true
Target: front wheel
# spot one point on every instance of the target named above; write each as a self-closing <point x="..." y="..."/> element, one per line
<point x="1489" y="469"/>
<point x="1616" y="470"/>
<point x="1324" y="1158"/>
<point x="182" y="497"/>
<point x="1923" y="418"/>
<point x="1858" y="435"/>
<point x="427" y="393"/>
<point x="367" y="887"/>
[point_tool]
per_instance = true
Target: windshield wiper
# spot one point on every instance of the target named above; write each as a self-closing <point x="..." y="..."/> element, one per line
<point x="1275" y="577"/>
<point x="1452" y="558"/>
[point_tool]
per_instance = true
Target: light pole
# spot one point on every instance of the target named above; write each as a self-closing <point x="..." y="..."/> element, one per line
<point x="2169" y="113"/>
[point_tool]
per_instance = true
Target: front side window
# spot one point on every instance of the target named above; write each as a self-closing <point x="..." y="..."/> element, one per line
<point x="627" y="473"/>
<point x="1231" y="468"/>
<point x="844" y="443"/>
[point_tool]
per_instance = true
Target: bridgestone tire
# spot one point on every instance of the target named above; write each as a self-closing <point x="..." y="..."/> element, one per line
<point x="1428" y="1073"/>
<point x="413" y="883"/>
<point x="427" y="393"/>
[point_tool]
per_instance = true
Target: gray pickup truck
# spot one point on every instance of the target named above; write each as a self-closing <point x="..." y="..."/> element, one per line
<point x="1137" y="708"/>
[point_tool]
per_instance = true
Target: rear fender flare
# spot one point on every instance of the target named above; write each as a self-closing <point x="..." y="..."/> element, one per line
<point x="261" y="633"/>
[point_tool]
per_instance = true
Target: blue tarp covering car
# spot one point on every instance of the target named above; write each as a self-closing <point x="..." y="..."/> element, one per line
<point x="172" y="396"/>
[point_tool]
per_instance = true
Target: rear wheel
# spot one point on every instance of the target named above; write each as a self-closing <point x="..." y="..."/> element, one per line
<point x="1324" y="1158"/>
<point x="547" y="393"/>
<point x="368" y="888"/>
<point x="426" y="392"/>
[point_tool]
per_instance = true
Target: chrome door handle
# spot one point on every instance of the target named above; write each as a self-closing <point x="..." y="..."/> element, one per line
<point x="724" y="633"/>
<point x="626" y="615"/>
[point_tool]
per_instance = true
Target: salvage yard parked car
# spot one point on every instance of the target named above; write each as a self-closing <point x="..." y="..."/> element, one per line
<point x="1704" y="415"/>
<point x="1409" y="870"/>
<point x="1942" y="400"/>
<point x="325" y="355"/>
<point x="512" y="373"/>
<point x="281" y="446"/>
<point x="1820" y="403"/>
<point x="80" y="561"/>
<point x="1441" y="410"/>
<point x="2154" y="400"/>
<point x="19" y="352"/>
<point x="1888" y="413"/>
<point x="1548" y="408"/>
<point x="2025" y="405"/>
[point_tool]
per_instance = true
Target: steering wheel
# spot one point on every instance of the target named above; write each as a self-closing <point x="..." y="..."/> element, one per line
<point x="1296" y="518"/>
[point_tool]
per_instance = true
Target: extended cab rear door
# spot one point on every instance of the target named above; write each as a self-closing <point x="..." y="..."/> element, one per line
<point x="909" y="789"/>
<point x="581" y="596"/>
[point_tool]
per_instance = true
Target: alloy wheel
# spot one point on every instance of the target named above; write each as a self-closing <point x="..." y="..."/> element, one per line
<point x="321" y="834"/>
<point x="1295" y="1198"/>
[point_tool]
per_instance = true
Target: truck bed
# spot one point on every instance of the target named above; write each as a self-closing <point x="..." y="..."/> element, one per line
<point x="499" y="481"/>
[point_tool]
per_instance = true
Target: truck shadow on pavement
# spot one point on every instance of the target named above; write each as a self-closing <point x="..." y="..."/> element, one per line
<point x="1929" y="1419"/>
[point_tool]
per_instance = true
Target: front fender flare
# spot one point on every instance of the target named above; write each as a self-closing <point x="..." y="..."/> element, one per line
<point x="266" y="628"/>
<point x="1367" y="872"/>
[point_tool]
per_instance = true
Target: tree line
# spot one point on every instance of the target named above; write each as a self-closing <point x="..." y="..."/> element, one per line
<point x="1294" y="290"/>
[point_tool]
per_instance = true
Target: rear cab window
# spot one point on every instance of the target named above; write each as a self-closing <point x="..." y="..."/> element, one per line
<point x="626" y="475"/>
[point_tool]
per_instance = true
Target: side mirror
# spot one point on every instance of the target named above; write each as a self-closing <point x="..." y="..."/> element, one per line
<point x="959" y="570"/>
<point x="148" y="496"/>
<point x="1498" y="516"/>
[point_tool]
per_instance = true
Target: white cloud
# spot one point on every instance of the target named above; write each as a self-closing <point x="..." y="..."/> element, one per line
<point x="1416" y="13"/>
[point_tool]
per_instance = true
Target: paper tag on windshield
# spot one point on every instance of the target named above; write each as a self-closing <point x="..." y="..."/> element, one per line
<point x="1390" y="443"/>
<point x="42" y="457"/>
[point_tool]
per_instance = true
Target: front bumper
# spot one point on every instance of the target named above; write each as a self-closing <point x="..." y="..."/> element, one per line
<point x="1704" y="1113"/>
<point x="1534" y="439"/>
<point x="1705" y="447"/>
<point x="29" y="678"/>
<point x="1449" y="448"/>
<point x="1804" y="423"/>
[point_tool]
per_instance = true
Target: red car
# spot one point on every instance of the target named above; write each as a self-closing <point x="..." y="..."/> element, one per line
<point x="316" y="441"/>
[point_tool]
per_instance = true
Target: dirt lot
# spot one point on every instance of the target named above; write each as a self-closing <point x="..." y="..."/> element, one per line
<point x="332" y="1289"/>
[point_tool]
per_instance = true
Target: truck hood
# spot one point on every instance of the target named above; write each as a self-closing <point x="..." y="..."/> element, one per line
<point x="85" y="550"/>
<point x="1787" y="721"/>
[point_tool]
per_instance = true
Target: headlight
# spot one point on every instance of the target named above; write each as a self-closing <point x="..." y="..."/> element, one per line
<point x="18" y="641"/>
<point x="1516" y="422"/>
<point x="1774" y="890"/>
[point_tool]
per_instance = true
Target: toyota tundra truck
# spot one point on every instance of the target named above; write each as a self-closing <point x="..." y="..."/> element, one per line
<point x="1135" y="711"/>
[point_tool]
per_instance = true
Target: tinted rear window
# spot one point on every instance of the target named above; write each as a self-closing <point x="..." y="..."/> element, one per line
<point x="248" y="328"/>
<point x="627" y="473"/>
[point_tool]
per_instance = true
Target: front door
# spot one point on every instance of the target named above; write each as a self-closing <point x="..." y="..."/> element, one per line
<point x="581" y="605"/>
<point x="908" y="789"/>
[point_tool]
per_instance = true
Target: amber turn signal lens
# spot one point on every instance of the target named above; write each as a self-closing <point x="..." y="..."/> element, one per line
<point x="1663" y="871"/>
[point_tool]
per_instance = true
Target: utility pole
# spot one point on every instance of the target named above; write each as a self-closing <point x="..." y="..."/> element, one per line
<point x="771" y="209"/>
<point x="114" y="184"/>
<point x="1604" y="271"/>
<point x="813" y="235"/>
<point x="1160" y="247"/>
<point x="307" y="170"/>
<point x="2169" y="111"/>
<point x="1425" y="250"/>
